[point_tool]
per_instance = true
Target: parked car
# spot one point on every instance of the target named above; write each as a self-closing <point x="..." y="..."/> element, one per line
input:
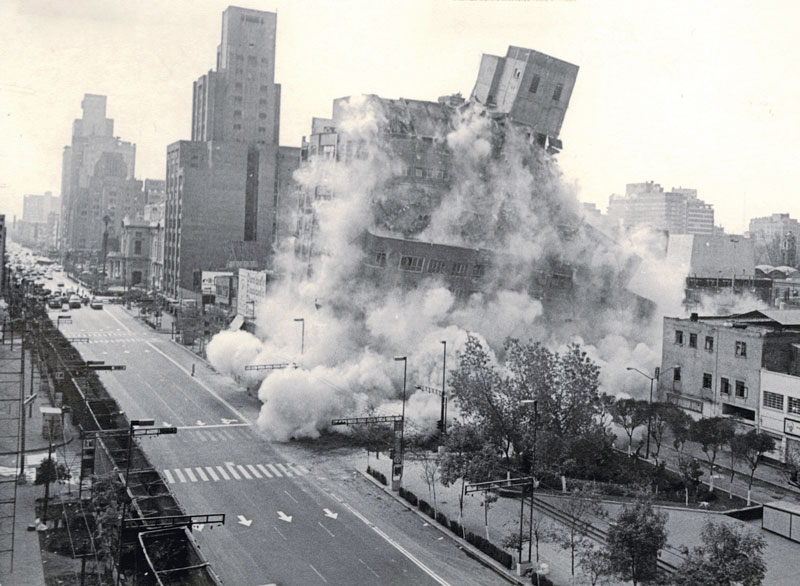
<point x="96" y="303"/>
<point x="74" y="302"/>
<point x="54" y="302"/>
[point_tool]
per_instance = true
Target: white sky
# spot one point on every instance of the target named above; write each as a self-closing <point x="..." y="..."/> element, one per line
<point x="699" y="94"/>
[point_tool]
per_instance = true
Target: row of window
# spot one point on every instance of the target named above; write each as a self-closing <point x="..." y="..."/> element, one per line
<point x="416" y="264"/>
<point x="775" y="401"/>
<point x="740" y="348"/>
<point x="740" y="389"/>
<point x="536" y="80"/>
<point x="426" y="173"/>
<point x="238" y="100"/>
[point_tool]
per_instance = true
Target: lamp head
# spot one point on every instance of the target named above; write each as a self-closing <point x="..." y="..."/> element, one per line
<point x="398" y="358"/>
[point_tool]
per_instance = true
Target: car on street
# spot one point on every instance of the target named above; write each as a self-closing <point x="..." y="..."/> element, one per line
<point x="74" y="302"/>
<point x="54" y="302"/>
<point x="96" y="303"/>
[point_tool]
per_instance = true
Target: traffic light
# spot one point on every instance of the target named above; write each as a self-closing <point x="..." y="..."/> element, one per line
<point x="439" y="425"/>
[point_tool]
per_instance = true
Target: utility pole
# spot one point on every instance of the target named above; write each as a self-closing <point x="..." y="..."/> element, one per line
<point x="443" y="417"/>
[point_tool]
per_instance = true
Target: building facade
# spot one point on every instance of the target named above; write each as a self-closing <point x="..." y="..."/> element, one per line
<point x="744" y="366"/>
<point x="677" y="212"/>
<point x="232" y="181"/>
<point x="97" y="181"/>
<point x="776" y="239"/>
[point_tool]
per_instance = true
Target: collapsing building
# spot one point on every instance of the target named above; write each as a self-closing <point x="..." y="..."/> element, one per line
<point x="468" y="193"/>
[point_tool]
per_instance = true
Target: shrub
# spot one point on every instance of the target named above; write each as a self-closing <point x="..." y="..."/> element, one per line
<point x="455" y="527"/>
<point x="543" y="580"/>
<point x="441" y="518"/>
<point x="411" y="498"/>
<point x="706" y="496"/>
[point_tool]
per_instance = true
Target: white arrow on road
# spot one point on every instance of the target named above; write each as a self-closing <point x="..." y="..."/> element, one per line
<point x="284" y="517"/>
<point x="329" y="513"/>
<point x="246" y="522"/>
<point x="229" y="421"/>
<point x="198" y="422"/>
<point x="166" y="424"/>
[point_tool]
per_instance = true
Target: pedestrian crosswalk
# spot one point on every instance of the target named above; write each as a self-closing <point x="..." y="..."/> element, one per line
<point x="219" y="434"/>
<point x="110" y="337"/>
<point x="231" y="471"/>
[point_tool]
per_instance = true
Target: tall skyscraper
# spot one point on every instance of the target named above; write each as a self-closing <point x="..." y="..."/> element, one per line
<point x="97" y="180"/>
<point x="229" y="183"/>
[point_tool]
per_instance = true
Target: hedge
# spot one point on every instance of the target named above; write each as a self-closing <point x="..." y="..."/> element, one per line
<point x="380" y="477"/>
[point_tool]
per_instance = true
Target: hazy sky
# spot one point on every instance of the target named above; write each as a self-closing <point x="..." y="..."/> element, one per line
<point x="693" y="94"/>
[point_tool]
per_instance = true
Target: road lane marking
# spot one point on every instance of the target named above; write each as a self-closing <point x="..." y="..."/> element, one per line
<point x="168" y="474"/>
<point x="190" y="474"/>
<point x="279" y="533"/>
<point x="244" y="472"/>
<point x="284" y="470"/>
<point x="266" y="472"/>
<point x="397" y="546"/>
<point x="179" y="474"/>
<point x="211" y="391"/>
<point x="326" y="529"/>
<point x="234" y="473"/>
<point x="223" y="473"/>
<point x="253" y="471"/>
<point x="230" y="471"/>
<point x="317" y="573"/>
<point x="212" y="474"/>
<point x="227" y="434"/>
<point x="290" y="496"/>
<point x="274" y="470"/>
<point x="201" y="474"/>
<point x="370" y="569"/>
<point x="297" y="469"/>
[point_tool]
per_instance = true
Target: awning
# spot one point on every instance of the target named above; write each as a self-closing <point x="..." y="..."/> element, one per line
<point x="237" y="323"/>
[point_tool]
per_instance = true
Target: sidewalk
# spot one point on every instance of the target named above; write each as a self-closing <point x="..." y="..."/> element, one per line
<point x="27" y="555"/>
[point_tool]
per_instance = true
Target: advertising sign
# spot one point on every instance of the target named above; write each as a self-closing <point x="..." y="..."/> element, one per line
<point x="252" y="291"/>
<point x="207" y="284"/>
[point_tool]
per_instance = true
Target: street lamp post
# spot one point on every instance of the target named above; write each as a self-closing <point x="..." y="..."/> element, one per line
<point x="535" y="404"/>
<point x="444" y="392"/>
<point x="397" y="463"/>
<point x="656" y="374"/>
<point x="302" y="333"/>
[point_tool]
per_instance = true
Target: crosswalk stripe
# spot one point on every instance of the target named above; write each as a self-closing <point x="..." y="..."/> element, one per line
<point x="168" y="474"/>
<point x="190" y="474"/>
<point x="302" y="469"/>
<point x="284" y="470"/>
<point x="294" y="469"/>
<point x="266" y="472"/>
<point x="253" y="471"/>
<point x="223" y="473"/>
<point x="212" y="474"/>
<point x="244" y="472"/>
<point x="179" y="474"/>
<point x="227" y="434"/>
<point x="233" y="472"/>
<point x="274" y="470"/>
<point x="201" y="474"/>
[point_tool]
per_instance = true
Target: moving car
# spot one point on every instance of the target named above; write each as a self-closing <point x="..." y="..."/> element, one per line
<point x="74" y="302"/>
<point x="96" y="303"/>
<point x="54" y="302"/>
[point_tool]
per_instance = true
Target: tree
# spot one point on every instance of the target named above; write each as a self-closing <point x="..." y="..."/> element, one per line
<point x="750" y="447"/>
<point x="566" y="388"/>
<point x="630" y="414"/>
<point x="594" y="563"/>
<point x="661" y="417"/>
<point x="712" y="434"/>
<point x="50" y="471"/>
<point x="579" y="507"/>
<point x="729" y="555"/>
<point x="108" y="496"/>
<point x="468" y="457"/>
<point x="634" y="541"/>
<point x="485" y="398"/>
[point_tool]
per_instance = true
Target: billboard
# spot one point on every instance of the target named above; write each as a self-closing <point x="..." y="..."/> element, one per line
<point x="252" y="291"/>
<point x="207" y="284"/>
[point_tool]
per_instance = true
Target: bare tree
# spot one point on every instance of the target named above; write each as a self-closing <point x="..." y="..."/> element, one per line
<point x="579" y="508"/>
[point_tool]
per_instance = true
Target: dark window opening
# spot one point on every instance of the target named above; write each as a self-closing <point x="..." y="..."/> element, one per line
<point x="706" y="380"/>
<point x="557" y="92"/>
<point x="535" y="84"/>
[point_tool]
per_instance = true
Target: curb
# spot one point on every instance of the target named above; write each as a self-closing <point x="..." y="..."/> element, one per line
<point x="473" y="552"/>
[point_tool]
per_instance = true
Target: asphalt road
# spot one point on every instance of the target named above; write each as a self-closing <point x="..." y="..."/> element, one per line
<point x="286" y="523"/>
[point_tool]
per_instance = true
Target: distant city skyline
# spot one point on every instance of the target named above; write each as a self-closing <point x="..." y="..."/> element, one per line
<point x="680" y="93"/>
